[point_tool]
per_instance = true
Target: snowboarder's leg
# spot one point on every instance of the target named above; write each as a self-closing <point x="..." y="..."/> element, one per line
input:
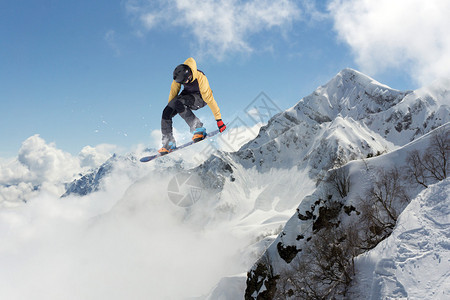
<point x="183" y="105"/>
<point x="194" y="102"/>
<point x="168" y="140"/>
<point x="188" y="103"/>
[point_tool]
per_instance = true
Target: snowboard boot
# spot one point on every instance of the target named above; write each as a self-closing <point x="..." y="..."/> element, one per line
<point x="199" y="134"/>
<point x="167" y="148"/>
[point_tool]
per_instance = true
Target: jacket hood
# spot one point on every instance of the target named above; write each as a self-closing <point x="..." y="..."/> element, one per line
<point x="190" y="62"/>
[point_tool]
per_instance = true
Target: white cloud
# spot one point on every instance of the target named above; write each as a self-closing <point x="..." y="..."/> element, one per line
<point x="92" y="157"/>
<point x="126" y="242"/>
<point x="40" y="166"/>
<point x="46" y="162"/>
<point x="402" y="34"/>
<point x="11" y="195"/>
<point x="218" y="27"/>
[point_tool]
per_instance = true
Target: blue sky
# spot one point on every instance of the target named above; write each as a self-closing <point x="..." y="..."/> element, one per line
<point x="84" y="72"/>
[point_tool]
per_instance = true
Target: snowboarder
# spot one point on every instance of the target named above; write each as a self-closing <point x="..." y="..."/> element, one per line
<point x="196" y="94"/>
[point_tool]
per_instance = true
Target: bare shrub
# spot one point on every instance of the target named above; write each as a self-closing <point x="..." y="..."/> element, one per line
<point x="415" y="169"/>
<point x="340" y="181"/>
<point x="381" y="207"/>
<point x="389" y="192"/>
<point x="437" y="154"/>
<point x="432" y="165"/>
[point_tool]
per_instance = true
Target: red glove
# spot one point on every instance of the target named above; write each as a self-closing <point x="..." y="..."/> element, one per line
<point x="221" y="125"/>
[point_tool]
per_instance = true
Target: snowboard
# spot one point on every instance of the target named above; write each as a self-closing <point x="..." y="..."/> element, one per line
<point x="152" y="157"/>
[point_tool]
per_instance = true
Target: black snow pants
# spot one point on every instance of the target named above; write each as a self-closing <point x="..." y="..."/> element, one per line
<point x="183" y="105"/>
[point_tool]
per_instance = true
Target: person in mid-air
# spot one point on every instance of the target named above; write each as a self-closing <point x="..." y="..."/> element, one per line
<point x="196" y="94"/>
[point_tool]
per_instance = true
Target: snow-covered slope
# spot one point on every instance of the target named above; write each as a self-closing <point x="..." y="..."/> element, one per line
<point x="326" y="210"/>
<point x="413" y="263"/>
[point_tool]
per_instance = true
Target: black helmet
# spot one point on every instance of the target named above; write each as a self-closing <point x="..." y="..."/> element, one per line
<point x="182" y="74"/>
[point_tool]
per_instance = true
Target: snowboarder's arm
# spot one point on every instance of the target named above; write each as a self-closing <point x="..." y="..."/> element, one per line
<point x="207" y="95"/>
<point x="174" y="90"/>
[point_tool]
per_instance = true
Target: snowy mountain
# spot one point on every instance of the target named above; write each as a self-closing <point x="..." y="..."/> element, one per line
<point x="293" y="261"/>
<point x="351" y="117"/>
<point x="374" y="116"/>
<point x="90" y="182"/>
<point x="241" y="224"/>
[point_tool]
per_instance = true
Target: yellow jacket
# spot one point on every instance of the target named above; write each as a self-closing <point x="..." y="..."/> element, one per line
<point x="203" y="86"/>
